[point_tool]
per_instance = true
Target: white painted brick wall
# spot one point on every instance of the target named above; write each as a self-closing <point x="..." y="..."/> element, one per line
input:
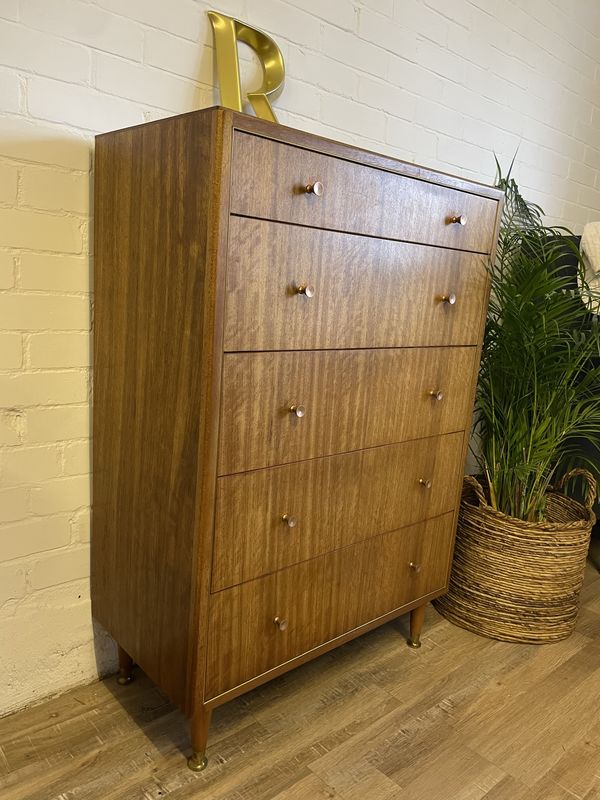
<point x="444" y="84"/>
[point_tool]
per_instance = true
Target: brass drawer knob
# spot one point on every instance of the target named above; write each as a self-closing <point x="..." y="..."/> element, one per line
<point x="315" y="188"/>
<point x="460" y="219"/>
<point x="280" y="623"/>
<point x="450" y="299"/>
<point x="425" y="483"/>
<point x="289" y="520"/>
<point x="307" y="290"/>
<point x="436" y="394"/>
<point x="414" y="566"/>
<point x="298" y="410"/>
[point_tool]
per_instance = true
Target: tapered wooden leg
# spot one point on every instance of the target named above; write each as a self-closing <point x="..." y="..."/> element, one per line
<point x="125" y="667"/>
<point x="200" y="725"/>
<point x="417" y="615"/>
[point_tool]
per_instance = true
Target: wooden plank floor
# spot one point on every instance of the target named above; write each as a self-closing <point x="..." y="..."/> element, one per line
<point x="462" y="718"/>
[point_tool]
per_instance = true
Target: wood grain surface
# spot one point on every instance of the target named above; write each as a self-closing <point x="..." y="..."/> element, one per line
<point x="334" y="501"/>
<point x="321" y="599"/>
<point x="352" y="399"/>
<point x="154" y="189"/>
<point x="269" y="181"/>
<point x="463" y="718"/>
<point x="367" y="292"/>
<point x="369" y="158"/>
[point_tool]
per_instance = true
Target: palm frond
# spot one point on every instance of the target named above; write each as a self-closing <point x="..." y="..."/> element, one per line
<point x="538" y="394"/>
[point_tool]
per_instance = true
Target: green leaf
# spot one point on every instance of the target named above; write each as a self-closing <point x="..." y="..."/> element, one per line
<point x="538" y="395"/>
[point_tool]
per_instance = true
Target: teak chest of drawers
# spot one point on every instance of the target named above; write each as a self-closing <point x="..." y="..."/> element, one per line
<point x="287" y="339"/>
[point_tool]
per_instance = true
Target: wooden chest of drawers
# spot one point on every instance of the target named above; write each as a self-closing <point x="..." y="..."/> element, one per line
<point x="287" y="338"/>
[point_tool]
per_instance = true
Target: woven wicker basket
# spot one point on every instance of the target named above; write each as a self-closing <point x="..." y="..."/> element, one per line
<point x="519" y="581"/>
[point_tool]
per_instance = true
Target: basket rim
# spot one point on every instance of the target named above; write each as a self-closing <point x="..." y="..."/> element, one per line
<point x="586" y="515"/>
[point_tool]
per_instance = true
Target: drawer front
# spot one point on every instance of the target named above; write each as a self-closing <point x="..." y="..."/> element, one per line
<point x="365" y="292"/>
<point x="350" y="400"/>
<point x="321" y="599"/>
<point x="329" y="503"/>
<point x="269" y="180"/>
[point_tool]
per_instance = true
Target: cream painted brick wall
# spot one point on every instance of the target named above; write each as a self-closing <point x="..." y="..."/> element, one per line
<point x="58" y="423"/>
<point x="59" y="350"/>
<point x="81" y="526"/>
<point x="9" y="178"/>
<point x="442" y="84"/>
<point x="11" y="351"/>
<point x="77" y="459"/>
<point x="60" y="567"/>
<point x="33" y="536"/>
<point x="56" y="273"/>
<point x="12" y="426"/>
<point x="14" y="503"/>
<point x="22" y="229"/>
<point x="25" y="389"/>
<point x="7" y="271"/>
<point x="85" y="24"/>
<point x="29" y="465"/>
<point x="29" y="311"/>
<point x="62" y="494"/>
<point x="51" y="190"/>
<point x="10" y="91"/>
<point x="34" y="51"/>
<point x="13" y="582"/>
<point x="24" y="140"/>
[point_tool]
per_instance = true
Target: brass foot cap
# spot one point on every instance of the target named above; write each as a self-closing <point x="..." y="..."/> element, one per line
<point x="413" y="643"/>
<point x="197" y="763"/>
<point x="123" y="680"/>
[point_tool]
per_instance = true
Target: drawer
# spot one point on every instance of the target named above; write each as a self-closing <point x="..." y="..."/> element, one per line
<point x="322" y="599"/>
<point x="349" y="400"/>
<point x="365" y="292"/>
<point x="329" y="503"/>
<point x="269" y="181"/>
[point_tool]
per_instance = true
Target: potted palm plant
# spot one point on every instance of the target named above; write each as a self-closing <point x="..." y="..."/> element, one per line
<point x="521" y="542"/>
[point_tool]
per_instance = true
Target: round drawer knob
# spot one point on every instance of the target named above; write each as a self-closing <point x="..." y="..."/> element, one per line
<point x="450" y="299"/>
<point x="289" y="520"/>
<point x="425" y="483"/>
<point x="280" y="623"/>
<point x="460" y="219"/>
<point x="298" y="410"/>
<point x="414" y="566"/>
<point x="436" y="394"/>
<point x="315" y="188"/>
<point x="307" y="290"/>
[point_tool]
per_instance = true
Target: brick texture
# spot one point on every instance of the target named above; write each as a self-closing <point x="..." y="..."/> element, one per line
<point x="447" y="85"/>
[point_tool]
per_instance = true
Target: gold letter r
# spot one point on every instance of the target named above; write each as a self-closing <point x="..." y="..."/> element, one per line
<point x="227" y="32"/>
